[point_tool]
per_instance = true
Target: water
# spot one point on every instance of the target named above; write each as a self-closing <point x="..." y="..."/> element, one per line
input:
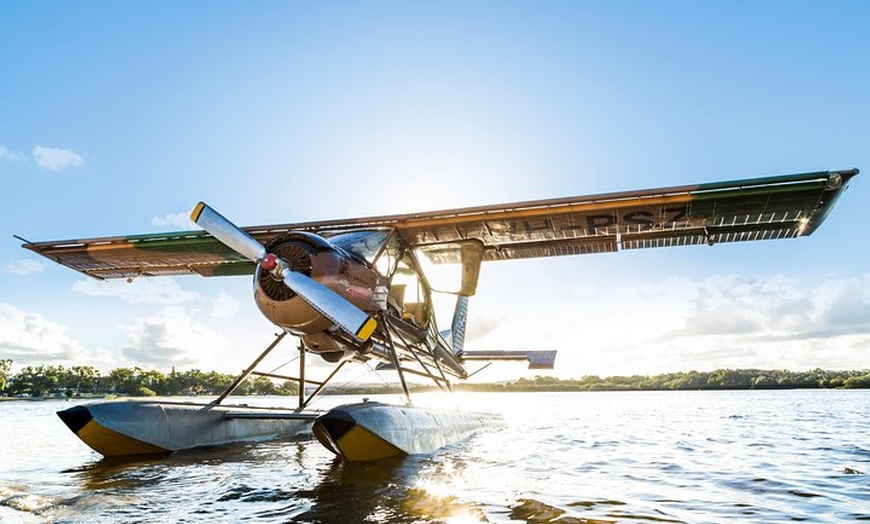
<point x="693" y="457"/>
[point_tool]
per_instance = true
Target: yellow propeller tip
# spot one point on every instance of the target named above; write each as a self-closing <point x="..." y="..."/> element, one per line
<point x="194" y="215"/>
<point x="368" y="327"/>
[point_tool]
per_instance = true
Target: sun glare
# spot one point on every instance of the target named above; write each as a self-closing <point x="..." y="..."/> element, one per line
<point x="437" y="400"/>
<point x="434" y="496"/>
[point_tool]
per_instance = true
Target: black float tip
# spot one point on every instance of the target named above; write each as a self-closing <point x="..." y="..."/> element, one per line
<point x="75" y="418"/>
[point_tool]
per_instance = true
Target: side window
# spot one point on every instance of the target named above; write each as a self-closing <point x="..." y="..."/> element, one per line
<point x="389" y="257"/>
<point x="408" y="293"/>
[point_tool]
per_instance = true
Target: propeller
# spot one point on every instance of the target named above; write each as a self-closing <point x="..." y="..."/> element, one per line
<point x="325" y="301"/>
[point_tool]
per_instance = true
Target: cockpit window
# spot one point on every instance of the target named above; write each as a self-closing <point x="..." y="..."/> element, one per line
<point x="364" y="244"/>
<point x="386" y="262"/>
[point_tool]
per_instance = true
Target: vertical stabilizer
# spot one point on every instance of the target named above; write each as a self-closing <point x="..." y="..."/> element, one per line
<point x="460" y="315"/>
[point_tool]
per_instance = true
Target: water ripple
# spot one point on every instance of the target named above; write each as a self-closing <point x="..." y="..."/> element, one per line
<point x="688" y="457"/>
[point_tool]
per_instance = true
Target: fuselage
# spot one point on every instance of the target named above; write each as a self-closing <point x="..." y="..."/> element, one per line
<point x="369" y="269"/>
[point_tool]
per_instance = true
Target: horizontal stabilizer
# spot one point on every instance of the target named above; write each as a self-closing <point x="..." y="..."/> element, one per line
<point x="537" y="359"/>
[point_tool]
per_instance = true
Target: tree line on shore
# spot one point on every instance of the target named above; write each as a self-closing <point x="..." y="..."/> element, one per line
<point x="75" y="381"/>
<point x="85" y="381"/>
<point x="692" y="380"/>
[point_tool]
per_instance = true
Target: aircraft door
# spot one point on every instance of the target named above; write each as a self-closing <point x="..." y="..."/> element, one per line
<point x="452" y="267"/>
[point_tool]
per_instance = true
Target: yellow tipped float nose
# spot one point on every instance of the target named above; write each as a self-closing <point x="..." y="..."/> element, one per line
<point x="101" y="439"/>
<point x="339" y="432"/>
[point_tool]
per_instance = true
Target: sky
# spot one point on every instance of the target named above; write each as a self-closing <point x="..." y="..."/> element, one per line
<point x="117" y="117"/>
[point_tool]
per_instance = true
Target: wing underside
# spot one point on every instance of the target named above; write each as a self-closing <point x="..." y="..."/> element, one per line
<point x="755" y="209"/>
<point x="759" y="209"/>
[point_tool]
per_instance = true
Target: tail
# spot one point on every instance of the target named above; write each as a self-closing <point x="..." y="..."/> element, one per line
<point x="457" y="329"/>
<point x="536" y="359"/>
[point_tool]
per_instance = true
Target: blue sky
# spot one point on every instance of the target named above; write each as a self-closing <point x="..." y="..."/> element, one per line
<point x="117" y="118"/>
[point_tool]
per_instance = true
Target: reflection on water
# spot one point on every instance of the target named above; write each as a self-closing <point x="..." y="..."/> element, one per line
<point x="693" y="457"/>
<point x="398" y="490"/>
<point x="387" y="491"/>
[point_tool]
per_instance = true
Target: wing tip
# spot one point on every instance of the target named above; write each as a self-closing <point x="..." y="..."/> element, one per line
<point x="840" y="178"/>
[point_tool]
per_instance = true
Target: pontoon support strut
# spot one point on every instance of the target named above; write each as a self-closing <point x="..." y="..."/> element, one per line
<point x="395" y="357"/>
<point x="232" y="387"/>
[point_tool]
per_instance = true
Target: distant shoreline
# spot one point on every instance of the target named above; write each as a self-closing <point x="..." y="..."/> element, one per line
<point x="424" y="389"/>
<point x="44" y="382"/>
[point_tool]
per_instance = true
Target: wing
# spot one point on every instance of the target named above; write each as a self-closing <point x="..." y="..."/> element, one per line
<point x="755" y="209"/>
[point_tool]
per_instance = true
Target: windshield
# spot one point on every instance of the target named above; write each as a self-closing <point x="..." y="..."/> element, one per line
<point x="364" y="244"/>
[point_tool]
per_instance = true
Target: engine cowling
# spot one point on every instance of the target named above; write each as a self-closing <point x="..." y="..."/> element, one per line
<point x="315" y="257"/>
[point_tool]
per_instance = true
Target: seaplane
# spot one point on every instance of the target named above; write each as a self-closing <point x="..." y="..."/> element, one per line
<point x="360" y="291"/>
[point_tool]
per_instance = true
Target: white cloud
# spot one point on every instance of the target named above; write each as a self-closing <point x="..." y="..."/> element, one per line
<point x="55" y="159"/>
<point x="27" y="266"/>
<point x="776" y="309"/>
<point x="681" y="324"/>
<point x="843" y="304"/>
<point x="171" y="338"/>
<point x="179" y="221"/>
<point x="483" y="325"/>
<point x="739" y="305"/>
<point x="30" y="338"/>
<point x="225" y="306"/>
<point x="12" y="156"/>
<point x="139" y="291"/>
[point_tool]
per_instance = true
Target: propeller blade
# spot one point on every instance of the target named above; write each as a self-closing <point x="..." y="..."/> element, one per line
<point x="325" y="301"/>
<point x="330" y="304"/>
<point x="227" y="232"/>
